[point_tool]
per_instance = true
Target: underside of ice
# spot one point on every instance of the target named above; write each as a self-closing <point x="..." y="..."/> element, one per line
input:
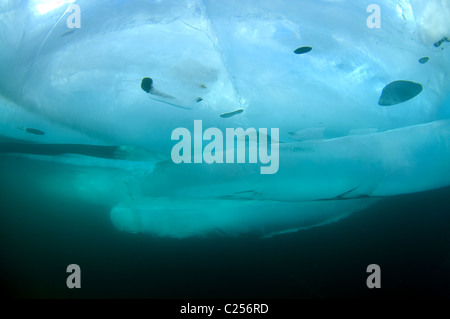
<point x="358" y="116"/>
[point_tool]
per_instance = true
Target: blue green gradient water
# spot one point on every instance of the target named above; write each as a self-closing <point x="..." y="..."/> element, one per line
<point x="360" y="112"/>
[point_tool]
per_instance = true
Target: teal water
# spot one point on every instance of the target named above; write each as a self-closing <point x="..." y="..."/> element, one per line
<point x="40" y="235"/>
<point x="115" y="121"/>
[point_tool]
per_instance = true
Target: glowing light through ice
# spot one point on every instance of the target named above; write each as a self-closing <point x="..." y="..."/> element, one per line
<point x="45" y="6"/>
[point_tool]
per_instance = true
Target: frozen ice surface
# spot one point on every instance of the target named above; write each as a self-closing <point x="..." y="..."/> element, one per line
<point x="340" y="149"/>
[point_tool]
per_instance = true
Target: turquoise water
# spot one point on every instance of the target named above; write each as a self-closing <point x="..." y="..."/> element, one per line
<point x="202" y="148"/>
<point x="406" y="235"/>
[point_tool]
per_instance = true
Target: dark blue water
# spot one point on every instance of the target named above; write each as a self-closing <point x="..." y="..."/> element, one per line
<point x="408" y="236"/>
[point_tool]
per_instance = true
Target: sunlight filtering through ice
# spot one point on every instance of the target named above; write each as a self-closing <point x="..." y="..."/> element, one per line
<point x="44" y="6"/>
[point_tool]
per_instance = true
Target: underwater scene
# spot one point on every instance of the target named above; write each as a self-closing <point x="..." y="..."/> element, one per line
<point x="284" y="149"/>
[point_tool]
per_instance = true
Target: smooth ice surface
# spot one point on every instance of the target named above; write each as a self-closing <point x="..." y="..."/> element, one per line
<point x="338" y="145"/>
